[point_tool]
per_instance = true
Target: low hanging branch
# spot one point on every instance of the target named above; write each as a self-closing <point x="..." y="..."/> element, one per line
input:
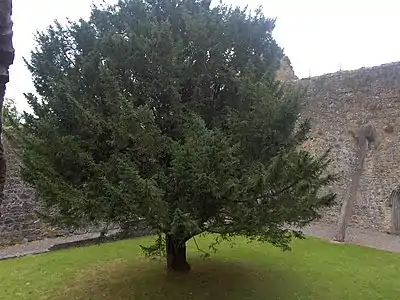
<point x="365" y="135"/>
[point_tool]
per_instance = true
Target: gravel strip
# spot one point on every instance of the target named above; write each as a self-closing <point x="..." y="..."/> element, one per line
<point x="363" y="237"/>
<point x="42" y="246"/>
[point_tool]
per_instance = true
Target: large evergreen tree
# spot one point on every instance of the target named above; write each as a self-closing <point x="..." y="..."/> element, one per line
<point x="167" y="112"/>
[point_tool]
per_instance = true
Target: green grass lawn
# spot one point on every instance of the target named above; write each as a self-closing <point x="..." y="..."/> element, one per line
<point x="314" y="269"/>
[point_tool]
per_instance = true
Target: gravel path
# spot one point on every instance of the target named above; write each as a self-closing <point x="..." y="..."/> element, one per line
<point x="41" y="246"/>
<point x="363" y="237"/>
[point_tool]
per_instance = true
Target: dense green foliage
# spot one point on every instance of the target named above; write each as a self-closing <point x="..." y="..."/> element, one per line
<point x="167" y="112"/>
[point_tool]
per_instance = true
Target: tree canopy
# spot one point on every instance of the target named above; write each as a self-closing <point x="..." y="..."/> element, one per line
<point x="167" y="112"/>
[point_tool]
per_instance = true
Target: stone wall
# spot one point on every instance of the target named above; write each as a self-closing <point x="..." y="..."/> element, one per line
<point x="18" y="222"/>
<point x="285" y="72"/>
<point x="338" y="104"/>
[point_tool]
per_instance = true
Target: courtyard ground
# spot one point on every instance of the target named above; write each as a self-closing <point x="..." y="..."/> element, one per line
<point x="314" y="269"/>
<point x="363" y="237"/>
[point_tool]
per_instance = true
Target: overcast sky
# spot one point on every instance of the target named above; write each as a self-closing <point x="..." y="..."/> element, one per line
<point x="319" y="36"/>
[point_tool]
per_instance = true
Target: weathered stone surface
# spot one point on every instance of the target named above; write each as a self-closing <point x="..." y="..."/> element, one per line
<point x="285" y="72"/>
<point x="338" y="105"/>
<point x="18" y="222"/>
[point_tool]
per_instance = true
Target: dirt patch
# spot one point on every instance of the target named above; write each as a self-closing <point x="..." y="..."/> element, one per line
<point x="209" y="279"/>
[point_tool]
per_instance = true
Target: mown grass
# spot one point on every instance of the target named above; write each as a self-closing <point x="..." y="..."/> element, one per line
<point x="313" y="270"/>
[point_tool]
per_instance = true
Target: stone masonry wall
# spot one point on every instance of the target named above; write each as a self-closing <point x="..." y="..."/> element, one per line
<point x="18" y="223"/>
<point x="338" y="104"/>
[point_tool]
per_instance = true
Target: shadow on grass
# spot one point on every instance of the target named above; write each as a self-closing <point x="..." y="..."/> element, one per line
<point x="209" y="279"/>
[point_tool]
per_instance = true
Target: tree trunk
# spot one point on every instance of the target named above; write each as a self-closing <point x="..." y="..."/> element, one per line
<point x="348" y="203"/>
<point x="176" y="255"/>
<point x="6" y="59"/>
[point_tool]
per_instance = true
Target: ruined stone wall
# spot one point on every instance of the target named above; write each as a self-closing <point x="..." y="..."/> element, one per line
<point x="18" y="220"/>
<point x="285" y="72"/>
<point x="18" y="223"/>
<point x="340" y="103"/>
